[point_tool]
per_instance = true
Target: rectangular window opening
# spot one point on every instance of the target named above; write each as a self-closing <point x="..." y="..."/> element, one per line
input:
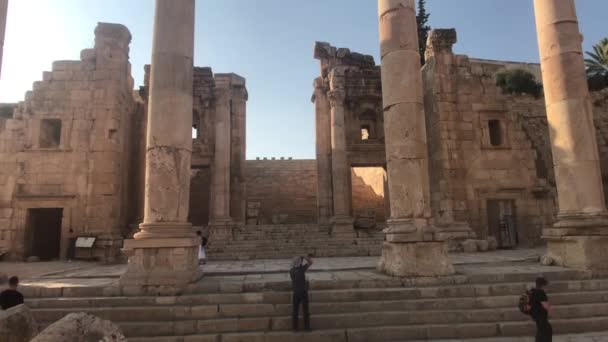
<point x="496" y="138"/>
<point x="50" y="133"/>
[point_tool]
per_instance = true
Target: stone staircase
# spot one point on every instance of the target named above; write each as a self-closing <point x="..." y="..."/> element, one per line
<point x="286" y="241"/>
<point x="343" y="309"/>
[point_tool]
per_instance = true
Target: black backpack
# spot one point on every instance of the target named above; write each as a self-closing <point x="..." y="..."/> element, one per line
<point x="525" y="303"/>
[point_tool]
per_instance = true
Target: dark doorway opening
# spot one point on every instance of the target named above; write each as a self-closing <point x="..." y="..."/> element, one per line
<point x="44" y="226"/>
<point x="502" y="223"/>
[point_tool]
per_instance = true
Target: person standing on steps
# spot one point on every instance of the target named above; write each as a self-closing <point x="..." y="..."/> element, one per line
<point x="11" y="297"/>
<point x="299" y="284"/>
<point x="540" y="309"/>
<point x="202" y="256"/>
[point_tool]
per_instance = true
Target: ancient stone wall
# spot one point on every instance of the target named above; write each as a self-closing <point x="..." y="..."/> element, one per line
<point x="66" y="147"/>
<point x="490" y="152"/>
<point x="282" y="187"/>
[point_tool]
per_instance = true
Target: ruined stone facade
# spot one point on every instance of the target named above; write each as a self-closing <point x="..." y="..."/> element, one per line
<point x="73" y="154"/>
<point x="497" y="186"/>
<point x="65" y="154"/>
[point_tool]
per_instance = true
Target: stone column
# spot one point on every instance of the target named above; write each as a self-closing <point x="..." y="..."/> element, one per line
<point x="323" y="146"/>
<point x="411" y="247"/>
<point x="220" y="221"/>
<point x="579" y="238"/>
<point x="239" y="148"/>
<point x="164" y="251"/>
<point x="342" y="221"/>
<point x="3" y="13"/>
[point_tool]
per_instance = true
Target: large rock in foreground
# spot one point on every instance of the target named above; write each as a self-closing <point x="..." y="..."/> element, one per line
<point x="17" y="325"/>
<point x="81" y="327"/>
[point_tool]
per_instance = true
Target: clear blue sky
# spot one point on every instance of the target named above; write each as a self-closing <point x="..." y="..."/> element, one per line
<point x="270" y="42"/>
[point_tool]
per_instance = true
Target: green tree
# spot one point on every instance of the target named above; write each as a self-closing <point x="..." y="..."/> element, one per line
<point x="597" y="65"/>
<point x="422" y="19"/>
<point x="518" y="81"/>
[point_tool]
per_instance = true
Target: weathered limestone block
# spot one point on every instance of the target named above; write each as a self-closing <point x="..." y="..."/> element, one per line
<point x="492" y="243"/>
<point x="81" y="327"/>
<point x="483" y="245"/>
<point x="469" y="246"/>
<point x="422" y="259"/>
<point x="17" y="325"/>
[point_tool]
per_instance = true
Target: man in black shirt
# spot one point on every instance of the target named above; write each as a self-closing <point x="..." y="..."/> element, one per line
<point x="540" y="311"/>
<point x="11" y="297"/>
<point x="300" y="290"/>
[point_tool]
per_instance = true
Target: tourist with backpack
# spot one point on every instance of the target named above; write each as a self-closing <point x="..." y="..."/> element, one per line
<point x="297" y="273"/>
<point x="536" y="304"/>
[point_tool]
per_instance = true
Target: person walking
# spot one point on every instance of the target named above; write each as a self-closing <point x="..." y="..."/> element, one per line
<point x="11" y="297"/>
<point x="540" y="310"/>
<point x="202" y="256"/>
<point x="299" y="284"/>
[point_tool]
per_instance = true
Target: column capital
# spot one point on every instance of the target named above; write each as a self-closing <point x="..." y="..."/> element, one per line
<point x="336" y="98"/>
<point x="240" y="94"/>
<point x="221" y="93"/>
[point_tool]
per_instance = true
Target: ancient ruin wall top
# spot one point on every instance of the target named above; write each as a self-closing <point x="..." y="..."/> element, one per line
<point x="331" y="57"/>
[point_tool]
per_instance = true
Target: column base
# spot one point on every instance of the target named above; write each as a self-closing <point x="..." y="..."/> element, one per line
<point x="161" y="230"/>
<point x="579" y="241"/>
<point x="343" y="227"/>
<point x="415" y="259"/>
<point x="221" y="229"/>
<point x="454" y="233"/>
<point x="411" y="249"/>
<point x="161" y="262"/>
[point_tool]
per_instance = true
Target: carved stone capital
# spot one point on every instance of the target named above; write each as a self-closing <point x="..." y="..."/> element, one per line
<point x="441" y="41"/>
<point x="240" y="94"/>
<point x="336" y="98"/>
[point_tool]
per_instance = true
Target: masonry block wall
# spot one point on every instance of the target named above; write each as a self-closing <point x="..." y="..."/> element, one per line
<point x="286" y="188"/>
<point x="490" y="152"/>
<point x="66" y="147"/>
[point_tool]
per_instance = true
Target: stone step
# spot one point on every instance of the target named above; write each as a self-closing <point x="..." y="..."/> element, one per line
<point x="395" y="333"/>
<point x="350" y="320"/>
<point x="199" y="312"/>
<point x="278" y="292"/>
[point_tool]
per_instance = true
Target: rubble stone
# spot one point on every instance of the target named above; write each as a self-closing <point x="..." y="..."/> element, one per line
<point x="81" y="327"/>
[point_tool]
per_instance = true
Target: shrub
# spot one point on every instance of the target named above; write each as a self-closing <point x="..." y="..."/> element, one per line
<point x="518" y="81"/>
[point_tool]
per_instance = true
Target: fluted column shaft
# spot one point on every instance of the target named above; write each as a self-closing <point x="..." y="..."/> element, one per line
<point x="569" y="109"/>
<point x="220" y="170"/>
<point x="323" y="151"/>
<point x="169" y="141"/>
<point x="340" y="168"/>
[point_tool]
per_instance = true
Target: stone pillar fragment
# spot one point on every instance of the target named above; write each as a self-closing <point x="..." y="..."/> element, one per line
<point x="323" y="147"/>
<point x="220" y="221"/>
<point x="342" y="221"/>
<point x="579" y="238"/>
<point x="164" y="251"/>
<point x="3" y="14"/>
<point x="239" y="148"/>
<point x="411" y="247"/>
